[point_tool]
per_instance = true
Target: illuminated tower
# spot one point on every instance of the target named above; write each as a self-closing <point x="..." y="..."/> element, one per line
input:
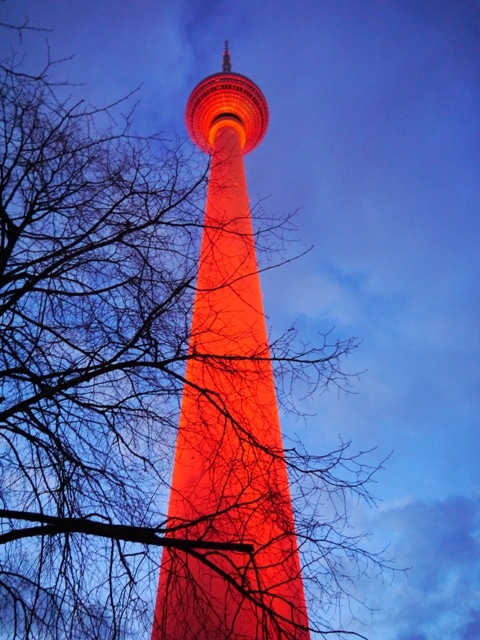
<point x="230" y="488"/>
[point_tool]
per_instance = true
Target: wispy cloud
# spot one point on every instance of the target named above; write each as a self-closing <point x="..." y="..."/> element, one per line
<point x="439" y="598"/>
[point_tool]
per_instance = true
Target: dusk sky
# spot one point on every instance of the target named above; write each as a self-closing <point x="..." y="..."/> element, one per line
<point x="374" y="138"/>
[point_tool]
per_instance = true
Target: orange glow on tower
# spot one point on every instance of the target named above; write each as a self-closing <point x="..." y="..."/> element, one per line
<point x="230" y="487"/>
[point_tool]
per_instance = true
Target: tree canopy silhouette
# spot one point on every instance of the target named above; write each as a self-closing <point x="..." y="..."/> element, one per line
<point x="99" y="233"/>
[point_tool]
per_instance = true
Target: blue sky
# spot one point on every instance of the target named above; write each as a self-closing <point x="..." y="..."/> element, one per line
<point x="375" y="138"/>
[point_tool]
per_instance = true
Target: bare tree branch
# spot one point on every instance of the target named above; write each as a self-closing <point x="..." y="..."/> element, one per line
<point x="99" y="238"/>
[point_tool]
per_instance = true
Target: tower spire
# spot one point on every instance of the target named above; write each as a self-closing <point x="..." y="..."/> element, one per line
<point x="227" y="65"/>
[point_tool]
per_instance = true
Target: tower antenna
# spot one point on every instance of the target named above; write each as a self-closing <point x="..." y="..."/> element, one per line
<point x="227" y="65"/>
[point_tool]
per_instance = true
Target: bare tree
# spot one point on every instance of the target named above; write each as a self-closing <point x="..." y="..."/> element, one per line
<point x="99" y="232"/>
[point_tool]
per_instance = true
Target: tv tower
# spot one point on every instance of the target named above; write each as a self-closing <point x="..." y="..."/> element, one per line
<point x="238" y="575"/>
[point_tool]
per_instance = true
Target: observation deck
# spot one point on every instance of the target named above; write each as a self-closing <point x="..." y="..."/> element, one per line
<point x="226" y="98"/>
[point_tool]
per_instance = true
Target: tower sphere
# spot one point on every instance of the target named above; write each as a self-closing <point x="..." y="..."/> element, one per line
<point x="223" y="98"/>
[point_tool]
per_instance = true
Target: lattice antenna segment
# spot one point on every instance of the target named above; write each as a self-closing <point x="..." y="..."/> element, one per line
<point x="227" y="65"/>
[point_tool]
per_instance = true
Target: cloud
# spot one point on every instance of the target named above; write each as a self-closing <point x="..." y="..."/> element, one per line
<point x="440" y="541"/>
